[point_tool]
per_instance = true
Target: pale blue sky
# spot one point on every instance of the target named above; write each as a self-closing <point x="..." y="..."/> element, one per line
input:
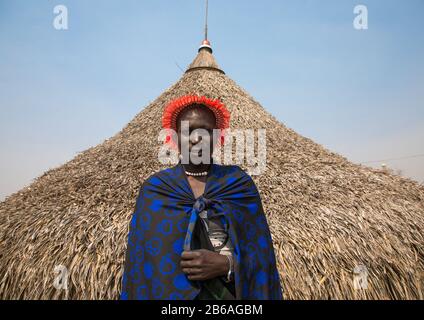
<point x="358" y="93"/>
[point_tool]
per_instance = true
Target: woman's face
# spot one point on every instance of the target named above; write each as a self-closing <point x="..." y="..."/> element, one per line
<point x="194" y="140"/>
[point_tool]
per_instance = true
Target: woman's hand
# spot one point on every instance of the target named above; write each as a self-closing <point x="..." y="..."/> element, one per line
<point x="203" y="264"/>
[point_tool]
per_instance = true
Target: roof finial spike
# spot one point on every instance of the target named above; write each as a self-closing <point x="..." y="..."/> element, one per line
<point x="206" y="20"/>
<point x="205" y="43"/>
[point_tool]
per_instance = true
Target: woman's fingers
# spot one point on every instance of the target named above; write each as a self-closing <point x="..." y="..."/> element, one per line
<point x="196" y="277"/>
<point x="190" y="263"/>
<point x="189" y="255"/>
<point x="200" y="264"/>
<point x="192" y="271"/>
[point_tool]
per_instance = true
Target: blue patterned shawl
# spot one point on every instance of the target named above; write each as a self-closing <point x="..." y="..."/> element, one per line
<point x="162" y="225"/>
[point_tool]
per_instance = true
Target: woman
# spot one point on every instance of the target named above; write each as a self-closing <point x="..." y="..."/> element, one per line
<point x="199" y="230"/>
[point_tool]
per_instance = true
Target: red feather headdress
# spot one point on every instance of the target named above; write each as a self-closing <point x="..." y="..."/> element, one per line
<point x="170" y="114"/>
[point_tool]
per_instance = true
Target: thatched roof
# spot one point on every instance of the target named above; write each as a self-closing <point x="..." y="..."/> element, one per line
<point x="326" y="214"/>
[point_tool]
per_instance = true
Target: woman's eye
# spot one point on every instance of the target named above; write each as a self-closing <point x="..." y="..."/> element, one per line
<point x="195" y="135"/>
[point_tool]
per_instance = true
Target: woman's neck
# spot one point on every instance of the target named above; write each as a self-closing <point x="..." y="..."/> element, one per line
<point x="196" y="168"/>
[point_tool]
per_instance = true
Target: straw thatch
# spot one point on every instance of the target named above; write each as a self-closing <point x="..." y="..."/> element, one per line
<point x="326" y="215"/>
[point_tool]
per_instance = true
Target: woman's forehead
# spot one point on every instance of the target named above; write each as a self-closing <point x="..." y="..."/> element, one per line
<point x="198" y="117"/>
<point x="196" y="110"/>
<point x="198" y="123"/>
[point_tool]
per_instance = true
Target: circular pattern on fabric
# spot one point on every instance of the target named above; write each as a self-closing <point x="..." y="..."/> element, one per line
<point x="250" y="254"/>
<point x="145" y="221"/>
<point x="134" y="275"/>
<point x="153" y="246"/>
<point x="149" y="192"/>
<point x="158" y="289"/>
<point x="182" y="224"/>
<point x="138" y="257"/>
<point x="176" y="296"/>
<point x="165" y="227"/>
<point x="139" y="252"/>
<point x="238" y="215"/>
<point x="166" y="265"/>
<point x="173" y="213"/>
<point x="156" y="205"/>
<point x="139" y="235"/>
<point x="142" y="292"/>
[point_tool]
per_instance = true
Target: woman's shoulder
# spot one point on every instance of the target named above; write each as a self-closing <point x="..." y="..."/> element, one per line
<point x="237" y="176"/>
<point x="230" y="170"/>
<point x="228" y="167"/>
